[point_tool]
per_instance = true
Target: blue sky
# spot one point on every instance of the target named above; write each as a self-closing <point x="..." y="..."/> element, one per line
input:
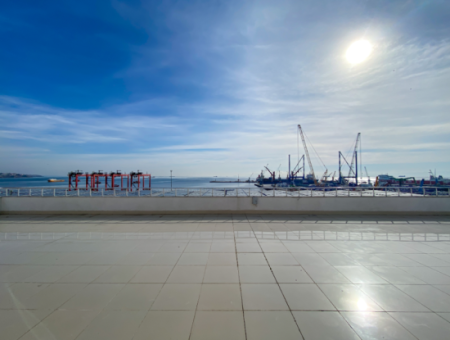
<point x="210" y="88"/>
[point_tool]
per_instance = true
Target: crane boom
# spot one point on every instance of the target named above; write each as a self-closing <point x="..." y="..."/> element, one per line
<point x="358" y="137"/>
<point x="307" y="154"/>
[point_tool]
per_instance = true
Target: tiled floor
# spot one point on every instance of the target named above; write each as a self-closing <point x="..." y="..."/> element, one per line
<point x="224" y="277"/>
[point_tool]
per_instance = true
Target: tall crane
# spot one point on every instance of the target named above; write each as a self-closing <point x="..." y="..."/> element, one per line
<point x="358" y="138"/>
<point x="367" y="174"/>
<point x="307" y="154"/>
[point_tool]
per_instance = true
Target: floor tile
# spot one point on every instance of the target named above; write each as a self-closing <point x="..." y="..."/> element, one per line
<point x="281" y="259"/>
<point x="248" y="248"/>
<point x="428" y="275"/>
<point x="221" y="274"/>
<point x="290" y="274"/>
<point x="220" y="297"/>
<point x="13" y="296"/>
<point x="93" y="296"/>
<point x="263" y="297"/>
<point x="218" y="326"/>
<point x="359" y="274"/>
<point x="395" y="275"/>
<point x="62" y="325"/>
<point x="118" y="274"/>
<point x="50" y="274"/>
<point x="393" y="299"/>
<point x="222" y="259"/>
<point x="324" y="326"/>
<point x="271" y="325"/>
<point x="177" y="297"/>
<point x="251" y="259"/>
<point x="193" y="259"/>
<point x="256" y="274"/>
<point x="424" y="326"/>
<point x="429" y="296"/>
<point x="348" y="297"/>
<point x="174" y="325"/>
<point x="305" y="297"/>
<point x="273" y="247"/>
<point x="187" y="274"/>
<point x="53" y="296"/>
<point x="325" y="274"/>
<point x="15" y="323"/>
<point x="376" y="325"/>
<point x="135" y="297"/>
<point x="310" y="259"/>
<point x="83" y="274"/>
<point x="223" y="248"/>
<point x="198" y="247"/>
<point x="112" y="325"/>
<point x="165" y="259"/>
<point x="152" y="274"/>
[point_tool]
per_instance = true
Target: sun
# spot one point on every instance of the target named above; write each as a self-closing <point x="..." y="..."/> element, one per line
<point x="358" y="51"/>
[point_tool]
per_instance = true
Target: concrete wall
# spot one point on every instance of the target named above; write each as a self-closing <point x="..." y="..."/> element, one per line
<point x="183" y="205"/>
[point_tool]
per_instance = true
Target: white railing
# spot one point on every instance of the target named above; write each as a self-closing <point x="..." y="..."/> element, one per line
<point x="232" y="192"/>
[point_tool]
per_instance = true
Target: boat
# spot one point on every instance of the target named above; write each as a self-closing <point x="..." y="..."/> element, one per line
<point x="53" y="180"/>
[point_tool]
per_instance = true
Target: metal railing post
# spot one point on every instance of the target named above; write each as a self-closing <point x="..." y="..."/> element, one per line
<point x="126" y="192"/>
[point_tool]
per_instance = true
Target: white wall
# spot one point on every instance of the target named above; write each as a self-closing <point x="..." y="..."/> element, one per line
<point x="174" y="205"/>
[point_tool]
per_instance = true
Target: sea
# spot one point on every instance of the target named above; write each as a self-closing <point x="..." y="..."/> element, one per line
<point x="157" y="182"/>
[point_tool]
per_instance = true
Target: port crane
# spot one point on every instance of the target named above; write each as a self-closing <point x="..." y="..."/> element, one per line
<point x="311" y="169"/>
<point x="353" y="166"/>
<point x="367" y="174"/>
<point x="358" y="139"/>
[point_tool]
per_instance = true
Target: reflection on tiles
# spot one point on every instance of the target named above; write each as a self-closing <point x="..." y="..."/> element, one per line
<point x="224" y="277"/>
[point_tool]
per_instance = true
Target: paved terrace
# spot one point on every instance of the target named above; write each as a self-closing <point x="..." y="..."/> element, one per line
<point x="224" y="277"/>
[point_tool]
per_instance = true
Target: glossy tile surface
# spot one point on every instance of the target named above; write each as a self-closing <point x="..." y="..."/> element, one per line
<point x="224" y="277"/>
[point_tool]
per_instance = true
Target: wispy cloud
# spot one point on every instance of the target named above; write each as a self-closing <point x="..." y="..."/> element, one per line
<point x="222" y="91"/>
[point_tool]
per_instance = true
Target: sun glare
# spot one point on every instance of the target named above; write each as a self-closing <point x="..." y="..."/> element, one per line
<point x="358" y="51"/>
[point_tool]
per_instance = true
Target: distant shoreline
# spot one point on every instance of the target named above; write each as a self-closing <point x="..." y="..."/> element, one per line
<point x="14" y="175"/>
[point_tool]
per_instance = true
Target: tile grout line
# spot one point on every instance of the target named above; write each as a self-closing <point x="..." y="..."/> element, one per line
<point x="240" y="284"/>
<point x="278" y="284"/>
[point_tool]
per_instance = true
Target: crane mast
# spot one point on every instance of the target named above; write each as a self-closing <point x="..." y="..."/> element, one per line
<point x="358" y="137"/>
<point x="307" y="154"/>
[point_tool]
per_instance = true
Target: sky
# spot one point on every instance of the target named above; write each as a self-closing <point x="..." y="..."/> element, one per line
<point x="217" y="88"/>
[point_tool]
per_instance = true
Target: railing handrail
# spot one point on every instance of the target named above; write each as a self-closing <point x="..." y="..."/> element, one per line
<point x="344" y="191"/>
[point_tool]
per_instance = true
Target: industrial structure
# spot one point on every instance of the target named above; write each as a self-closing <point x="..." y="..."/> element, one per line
<point x="98" y="180"/>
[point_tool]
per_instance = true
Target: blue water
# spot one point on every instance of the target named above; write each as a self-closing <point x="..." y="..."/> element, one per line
<point x="158" y="182"/>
